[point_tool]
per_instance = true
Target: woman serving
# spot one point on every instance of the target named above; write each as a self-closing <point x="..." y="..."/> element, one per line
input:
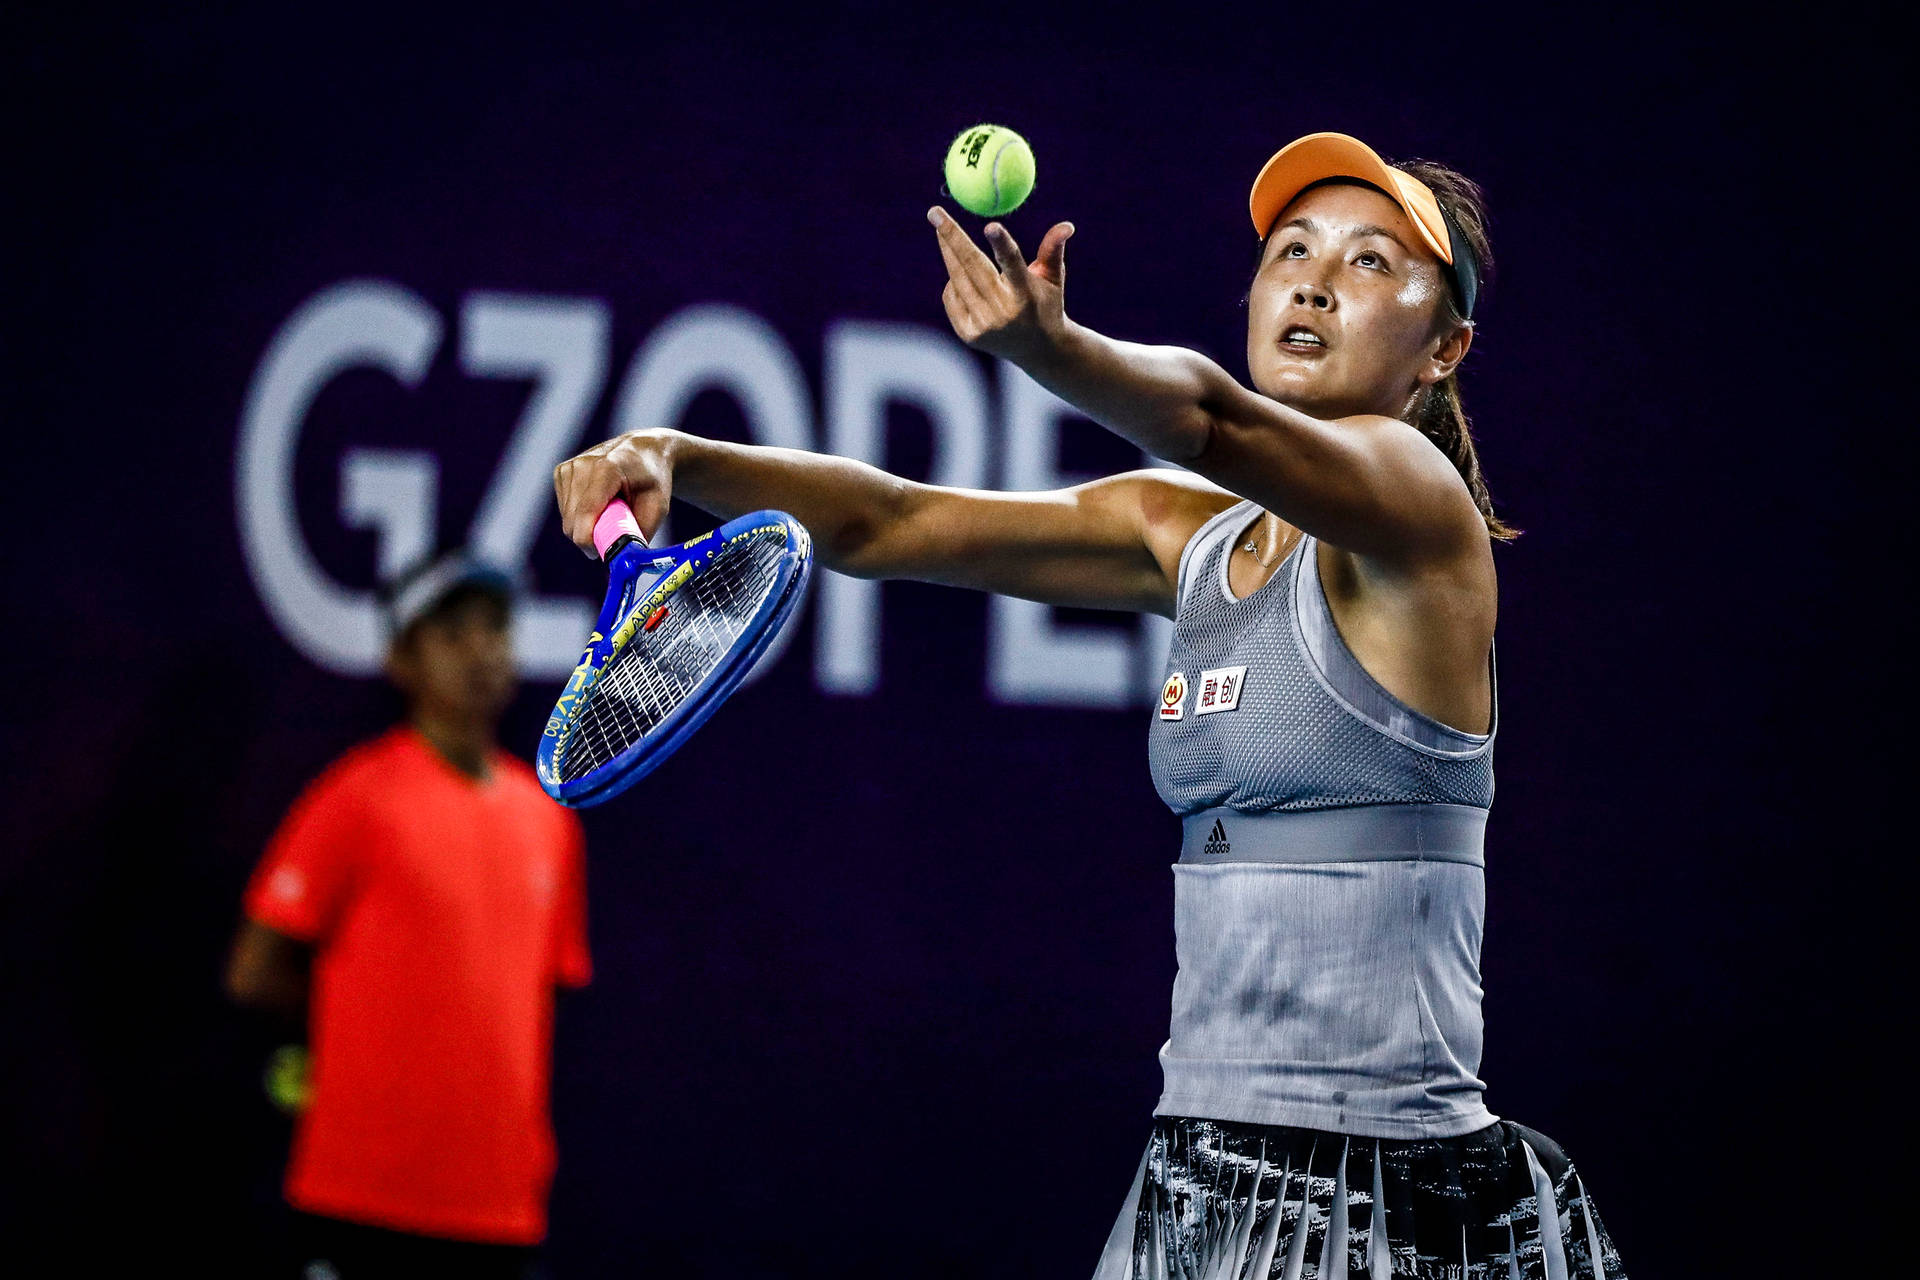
<point x="1325" y="729"/>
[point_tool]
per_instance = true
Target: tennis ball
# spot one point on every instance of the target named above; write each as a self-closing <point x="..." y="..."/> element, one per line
<point x="989" y="170"/>
<point x="287" y="1079"/>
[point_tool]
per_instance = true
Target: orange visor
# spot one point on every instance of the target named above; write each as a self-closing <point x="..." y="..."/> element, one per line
<point x="1301" y="163"/>
<point x="1318" y="156"/>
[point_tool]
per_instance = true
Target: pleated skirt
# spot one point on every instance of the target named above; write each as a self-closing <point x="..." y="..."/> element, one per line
<point x="1217" y="1200"/>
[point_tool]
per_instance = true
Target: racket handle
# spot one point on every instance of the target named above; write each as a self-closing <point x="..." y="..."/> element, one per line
<point x="614" y="528"/>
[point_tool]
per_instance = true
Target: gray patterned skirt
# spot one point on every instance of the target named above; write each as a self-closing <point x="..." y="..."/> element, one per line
<point x="1216" y="1200"/>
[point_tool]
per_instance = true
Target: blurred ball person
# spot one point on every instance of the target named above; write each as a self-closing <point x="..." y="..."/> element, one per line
<point x="419" y="904"/>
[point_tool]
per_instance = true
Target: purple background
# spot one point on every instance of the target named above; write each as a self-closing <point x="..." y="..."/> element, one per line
<point x="909" y="997"/>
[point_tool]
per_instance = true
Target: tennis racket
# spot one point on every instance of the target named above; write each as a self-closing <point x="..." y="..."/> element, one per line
<point x="680" y="629"/>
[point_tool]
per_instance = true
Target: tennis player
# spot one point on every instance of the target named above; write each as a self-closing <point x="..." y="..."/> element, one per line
<point x="1325" y="729"/>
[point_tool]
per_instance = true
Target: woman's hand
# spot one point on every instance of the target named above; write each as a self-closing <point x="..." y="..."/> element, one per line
<point x="637" y="466"/>
<point x="1017" y="311"/>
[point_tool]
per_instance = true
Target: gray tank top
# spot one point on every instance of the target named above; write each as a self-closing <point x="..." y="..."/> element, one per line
<point x="1330" y="892"/>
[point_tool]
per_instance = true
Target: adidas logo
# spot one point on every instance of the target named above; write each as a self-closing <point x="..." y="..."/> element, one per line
<point x="1217" y="845"/>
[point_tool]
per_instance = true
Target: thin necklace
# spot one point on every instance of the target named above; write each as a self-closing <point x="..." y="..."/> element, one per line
<point x="1254" y="550"/>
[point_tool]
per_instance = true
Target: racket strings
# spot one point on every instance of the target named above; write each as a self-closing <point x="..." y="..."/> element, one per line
<point x="658" y="670"/>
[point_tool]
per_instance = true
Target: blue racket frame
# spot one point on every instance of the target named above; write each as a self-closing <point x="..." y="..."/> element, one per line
<point x="636" y="565"/>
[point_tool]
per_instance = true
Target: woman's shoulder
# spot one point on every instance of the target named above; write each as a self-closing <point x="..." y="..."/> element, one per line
<point x="1175" y="504"/>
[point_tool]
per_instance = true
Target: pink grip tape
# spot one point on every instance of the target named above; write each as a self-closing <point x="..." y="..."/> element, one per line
<point x="616" y="521"/>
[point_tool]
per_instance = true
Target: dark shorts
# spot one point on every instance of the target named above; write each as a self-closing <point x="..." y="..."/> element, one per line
<point x="1248" y="1202"/>
<point x="329" y="1249"/>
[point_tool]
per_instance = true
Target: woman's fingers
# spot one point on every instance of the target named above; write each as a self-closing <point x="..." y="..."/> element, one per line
<point x="583" y="486"/>
<point x="956" y="307"/>
<point x="636" y="467"/>
<point x="992" y="302"/>
<point x="1051" y="261"/>
<point x="1013" y="267"/>
<point x="964" y="258"/>
<point x="579" y="524"/>
<point x="561" y="475"/>
<point x="649" y="509"/>
<point x="971" y="269"/>
<point x="563" y="495"/>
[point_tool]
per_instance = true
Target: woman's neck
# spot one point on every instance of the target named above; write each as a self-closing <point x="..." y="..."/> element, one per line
<point x="1271" y="540"/>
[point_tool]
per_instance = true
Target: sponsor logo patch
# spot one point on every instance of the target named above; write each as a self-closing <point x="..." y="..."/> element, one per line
<point x="1219" y="690"/>
<point x="1172" y="695"/>
<point x="1217" y="845"/>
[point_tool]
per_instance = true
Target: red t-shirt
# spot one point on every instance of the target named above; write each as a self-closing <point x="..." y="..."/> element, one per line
<point x="442" y="910"/>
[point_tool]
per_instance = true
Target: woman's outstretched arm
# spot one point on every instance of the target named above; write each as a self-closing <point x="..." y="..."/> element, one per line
<point x="1370" y="484"/>
<point x="1110" y="544"/>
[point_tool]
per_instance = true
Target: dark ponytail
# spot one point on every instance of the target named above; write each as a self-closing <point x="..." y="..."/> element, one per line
<point x="1442" y="419"/>
<point x="1439" y="413"/>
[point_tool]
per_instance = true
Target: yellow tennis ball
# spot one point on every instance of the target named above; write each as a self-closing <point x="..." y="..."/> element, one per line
<point x="989" y="170"/>
<point x="287" y="1079"/>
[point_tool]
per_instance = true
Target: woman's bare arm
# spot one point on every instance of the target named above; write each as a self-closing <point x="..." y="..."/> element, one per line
<point x="1371" y="485"/>
<point x="1110" y="544"/>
